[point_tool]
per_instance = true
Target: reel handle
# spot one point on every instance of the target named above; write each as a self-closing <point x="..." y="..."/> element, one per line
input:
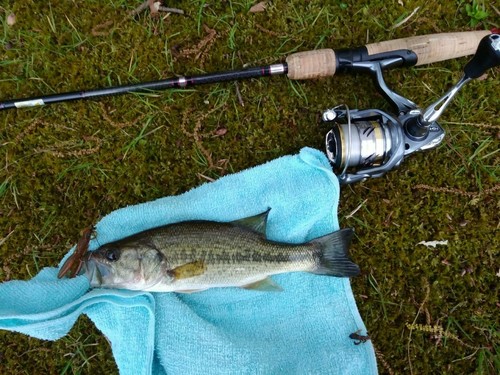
<point x="487" y="56"/>
<point x="427" y="48"/>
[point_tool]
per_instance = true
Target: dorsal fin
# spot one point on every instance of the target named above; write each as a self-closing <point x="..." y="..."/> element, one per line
<point x="257" y="223"/>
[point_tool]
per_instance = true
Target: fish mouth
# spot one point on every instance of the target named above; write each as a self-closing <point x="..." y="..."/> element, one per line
<point x="96" y="272"/>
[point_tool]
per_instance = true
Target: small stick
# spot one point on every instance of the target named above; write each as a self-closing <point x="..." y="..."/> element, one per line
<point x="406" y="19"/>
<point x="139" y="9"/>
<point x="238" y="94"/>
<point x="161" y="8"/>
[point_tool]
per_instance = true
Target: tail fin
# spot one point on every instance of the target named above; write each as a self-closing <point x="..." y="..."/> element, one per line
<point x="333" y="258"/>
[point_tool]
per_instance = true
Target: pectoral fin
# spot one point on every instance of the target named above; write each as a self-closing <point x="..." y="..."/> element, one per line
<point x="264" y="285"/>
<point x="190" y="269"/>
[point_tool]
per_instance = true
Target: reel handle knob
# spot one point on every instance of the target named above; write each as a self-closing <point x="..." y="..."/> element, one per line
<point x="487" y="56"/>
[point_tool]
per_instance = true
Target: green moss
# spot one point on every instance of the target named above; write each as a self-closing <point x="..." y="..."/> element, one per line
<point x="68" y="164"/>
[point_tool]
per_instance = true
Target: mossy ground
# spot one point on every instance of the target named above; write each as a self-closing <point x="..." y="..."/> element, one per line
<point x="66" y="165"/>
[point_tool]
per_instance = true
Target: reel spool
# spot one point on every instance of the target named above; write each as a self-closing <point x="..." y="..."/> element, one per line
<point x="366" y="142"/>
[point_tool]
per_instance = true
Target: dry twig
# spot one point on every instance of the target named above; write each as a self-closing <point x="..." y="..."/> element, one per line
<point x="382" y="360"/>
<point x="406" y="19"/>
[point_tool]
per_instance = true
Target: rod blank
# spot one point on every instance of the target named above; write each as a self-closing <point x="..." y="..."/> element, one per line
<point x="301" y="65"/>
<point x="165" y="84"/>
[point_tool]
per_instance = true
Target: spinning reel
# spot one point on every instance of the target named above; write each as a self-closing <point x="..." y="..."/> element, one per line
<point x="369" y="143"/>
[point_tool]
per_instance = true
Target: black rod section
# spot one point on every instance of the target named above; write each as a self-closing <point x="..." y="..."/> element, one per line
<point x="180" y="82"/>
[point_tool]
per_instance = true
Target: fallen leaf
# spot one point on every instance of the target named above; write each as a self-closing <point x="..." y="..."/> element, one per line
<point x="433" y="243"/>
<point x="11" y="19"/>
<point x="259" y="7"/>
<point x="220" y="131"/>
<point x="474" y="201"/>
<point x="466" y="271"/>
<point x="154" y="6"/>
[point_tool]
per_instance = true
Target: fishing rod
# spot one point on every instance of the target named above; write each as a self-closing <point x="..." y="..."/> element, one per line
<point x="410" y="51"/>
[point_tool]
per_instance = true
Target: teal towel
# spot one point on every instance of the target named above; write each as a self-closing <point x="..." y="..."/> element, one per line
<point x="304" y="329"/>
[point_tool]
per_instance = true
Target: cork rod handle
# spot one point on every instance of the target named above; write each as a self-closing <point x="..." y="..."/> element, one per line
<point x="428" y="48"/>
<point x="434" y="47"/>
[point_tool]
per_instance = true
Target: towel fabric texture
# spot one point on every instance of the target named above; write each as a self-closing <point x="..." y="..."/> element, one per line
<point x="304" y="329"/>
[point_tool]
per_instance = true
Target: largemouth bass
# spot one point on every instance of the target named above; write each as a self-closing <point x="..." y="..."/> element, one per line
<point x="197" y="255"/>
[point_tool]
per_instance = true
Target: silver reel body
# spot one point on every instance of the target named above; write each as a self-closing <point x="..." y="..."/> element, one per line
<point x="369" y="143"/>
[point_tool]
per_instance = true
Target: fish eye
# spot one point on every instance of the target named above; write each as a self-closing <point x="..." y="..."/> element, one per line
<point x="112" y="255"/>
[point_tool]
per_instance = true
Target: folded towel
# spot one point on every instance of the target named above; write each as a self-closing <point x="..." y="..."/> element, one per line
<point x="304" y="329"/>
